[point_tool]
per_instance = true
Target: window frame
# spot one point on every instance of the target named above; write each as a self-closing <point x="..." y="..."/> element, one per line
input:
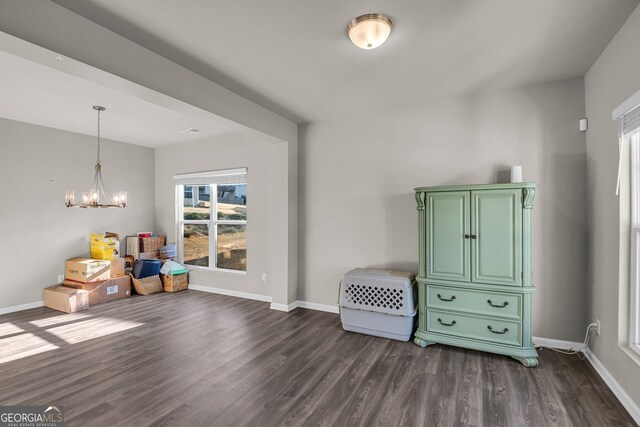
<point x="191" y="191"/>
<point x="634" y="253"/>
<point x="213" y="222"/>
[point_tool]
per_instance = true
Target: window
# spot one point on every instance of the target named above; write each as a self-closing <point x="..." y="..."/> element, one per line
<point x="209" y="225"/>
<point x="628" y="117"/>
<point x="634" y="285"/>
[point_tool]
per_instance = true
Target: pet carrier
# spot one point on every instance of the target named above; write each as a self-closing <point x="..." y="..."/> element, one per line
<point x="378" y="302"/>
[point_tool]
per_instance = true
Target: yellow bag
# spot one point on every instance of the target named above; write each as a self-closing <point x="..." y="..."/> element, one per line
<point x="105" y="246"/>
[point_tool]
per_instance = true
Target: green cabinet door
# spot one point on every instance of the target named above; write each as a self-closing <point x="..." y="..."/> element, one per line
<point x="447" y="225"/>
<point x="496" y="237"/>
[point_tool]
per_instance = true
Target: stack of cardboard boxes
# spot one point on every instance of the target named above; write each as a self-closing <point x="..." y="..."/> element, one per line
<point x="107" y="283"/>
<point x="90" y="281"/>
<point x="106" y="275"/>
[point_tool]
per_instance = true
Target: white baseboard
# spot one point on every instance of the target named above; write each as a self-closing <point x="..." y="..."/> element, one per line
<point x="266" y="298"/>
<point x="247" y="295"/>
<point x="284" y="307"/>
<point x="610" y="381"/>
<point x="319" y="307"/>
<point x="559" y="344"/>
<point x="616" y="388"/>
<point x="14" y="308"/>
<point x="305" y="304"/>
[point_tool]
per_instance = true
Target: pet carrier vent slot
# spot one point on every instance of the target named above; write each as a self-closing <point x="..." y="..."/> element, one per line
<point x="375" y="296"/>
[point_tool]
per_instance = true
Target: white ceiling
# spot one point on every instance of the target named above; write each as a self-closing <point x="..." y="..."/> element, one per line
<point x="294" y="57"/>
<point x="41" y="95"/>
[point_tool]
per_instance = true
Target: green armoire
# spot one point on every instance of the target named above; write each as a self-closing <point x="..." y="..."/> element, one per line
<point x="475" y="281"/>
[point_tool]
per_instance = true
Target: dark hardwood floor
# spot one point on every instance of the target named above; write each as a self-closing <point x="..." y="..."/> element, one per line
<point x="194" y="358"/>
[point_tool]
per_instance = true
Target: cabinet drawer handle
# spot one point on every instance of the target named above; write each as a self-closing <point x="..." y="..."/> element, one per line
<point x="506" y="303"/>
<point x="453" y="322"/>
<point x="447" y="300"/>
<point x="504" y="331"/>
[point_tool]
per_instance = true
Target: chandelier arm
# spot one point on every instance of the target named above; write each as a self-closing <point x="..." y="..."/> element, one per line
<point x="108" y="200"/>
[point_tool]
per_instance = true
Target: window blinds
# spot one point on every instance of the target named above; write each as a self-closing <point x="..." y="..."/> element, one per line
<point x="630" y="122"/>
<point x="228" y="176"/>
<point x="628" y="117"/>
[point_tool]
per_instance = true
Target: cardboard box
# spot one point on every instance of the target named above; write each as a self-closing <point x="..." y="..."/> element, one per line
<point x="85" y="270"/>
<point x="116" y="268"/>
<point x="66" y="299"/>
<point x="104" y="291"/>
<point x="133" y="246"/>
<point x="149" y="255"/>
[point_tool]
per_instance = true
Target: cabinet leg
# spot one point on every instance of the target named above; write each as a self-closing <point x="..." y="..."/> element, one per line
<point x="529" y="362"/>
<point x="420" y="342"/>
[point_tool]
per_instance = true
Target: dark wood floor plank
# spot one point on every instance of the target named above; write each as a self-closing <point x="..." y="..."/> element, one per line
<point x="200" y="359"/>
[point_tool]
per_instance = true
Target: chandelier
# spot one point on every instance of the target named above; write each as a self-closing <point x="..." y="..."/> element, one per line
<point x="97" y="196"/>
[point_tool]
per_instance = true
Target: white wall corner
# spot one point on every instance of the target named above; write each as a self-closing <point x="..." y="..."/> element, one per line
<point x="284" y="307"/>
<point x="306" y="305"/>
<point x="626" y="400"/>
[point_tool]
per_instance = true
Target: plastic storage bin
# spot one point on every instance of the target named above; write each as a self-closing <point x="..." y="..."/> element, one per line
<point x="379" y="302"/>
<point x="146" y="267"/>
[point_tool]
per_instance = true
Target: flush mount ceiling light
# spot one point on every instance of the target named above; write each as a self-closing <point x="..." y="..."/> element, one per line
<point x="97" y="196"/>
<point x="370" y="30"/>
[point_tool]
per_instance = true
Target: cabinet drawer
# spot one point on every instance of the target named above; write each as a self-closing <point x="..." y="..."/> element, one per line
<point x="475" y="327"/>
<point x="480" y="302"/>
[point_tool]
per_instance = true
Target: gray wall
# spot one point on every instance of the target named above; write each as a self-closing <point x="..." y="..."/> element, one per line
<point x="38" y="232"/>
<point x="613" y="78"/>
<point x="226" y="152"/>
<point x="357" y="175"/>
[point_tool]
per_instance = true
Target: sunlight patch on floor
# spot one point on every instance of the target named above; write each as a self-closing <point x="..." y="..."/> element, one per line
<point x="23" y="345"/>
<point x="43" y="323"/>
<point x="17" y="343"/>
<point x="90" y="329"/>
<point x="9" y="329"/>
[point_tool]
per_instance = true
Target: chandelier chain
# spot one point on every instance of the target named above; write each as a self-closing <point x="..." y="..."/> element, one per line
<point x="98" y="160"/>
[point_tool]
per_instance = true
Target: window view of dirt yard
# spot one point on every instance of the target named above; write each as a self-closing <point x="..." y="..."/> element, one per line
<point x="231" y="245"/>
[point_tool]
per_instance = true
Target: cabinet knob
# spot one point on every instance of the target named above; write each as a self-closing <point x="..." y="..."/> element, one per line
<point x="473" y="236"/>
<point x="466" y="236"/>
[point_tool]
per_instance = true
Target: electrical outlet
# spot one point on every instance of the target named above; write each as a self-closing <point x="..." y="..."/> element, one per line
<point x="60" y="278"/>
<point x="597" y="326"/>
<point x="264" y="277"/>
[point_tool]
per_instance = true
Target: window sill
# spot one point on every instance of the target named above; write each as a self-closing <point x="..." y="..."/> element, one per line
<point x="630" y="352"/>
<point x="216" y="270"/>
